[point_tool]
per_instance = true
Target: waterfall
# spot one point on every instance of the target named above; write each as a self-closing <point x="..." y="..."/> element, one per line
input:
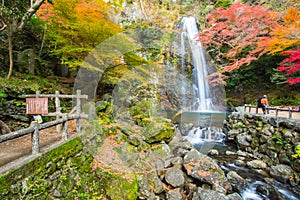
<point x="197" y="95"/>
<point x="192" y="54"/>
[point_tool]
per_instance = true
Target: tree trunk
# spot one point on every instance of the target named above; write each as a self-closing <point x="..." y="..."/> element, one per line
<point x="143" y="9"/>
<point x="10" y="50"/>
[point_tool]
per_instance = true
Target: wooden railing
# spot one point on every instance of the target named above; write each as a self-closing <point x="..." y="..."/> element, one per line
<point x="277" y="110"/>
<point x="61" y="119"/>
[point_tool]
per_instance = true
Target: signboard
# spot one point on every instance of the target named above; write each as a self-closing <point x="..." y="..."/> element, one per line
<point x="36" y="106"/>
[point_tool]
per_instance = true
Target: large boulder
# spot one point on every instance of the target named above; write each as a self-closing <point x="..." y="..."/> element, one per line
<point x="205" y="169"/>
<point x="174" y="177"/>
<point x="285" y="174"/>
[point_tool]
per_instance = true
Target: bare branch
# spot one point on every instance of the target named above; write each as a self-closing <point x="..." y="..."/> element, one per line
<point x="3" y="23"/>
<point x="30" y="12"/>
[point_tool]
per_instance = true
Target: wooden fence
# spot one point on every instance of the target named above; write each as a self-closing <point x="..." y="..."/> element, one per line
<point x="290" y="110"/>
<point x="61" y="121"/>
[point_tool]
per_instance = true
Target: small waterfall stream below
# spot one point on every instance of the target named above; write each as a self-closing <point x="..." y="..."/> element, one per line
<point x="202" y="122"/>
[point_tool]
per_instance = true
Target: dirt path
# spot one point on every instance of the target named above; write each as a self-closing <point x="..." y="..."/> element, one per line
<point x="19" y="147"/>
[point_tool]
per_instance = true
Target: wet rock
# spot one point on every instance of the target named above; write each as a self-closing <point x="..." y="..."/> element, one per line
<point x="284" y="173"/>
<point x="239" y="162"/>
<point x="269" y="192"/>
<point x="234" y="196"/>
<point x="257" y="164"/>
<point x="236" y="180"/>
<point x="229" y="153"/>
<point x="213" y="152"/>
<point x="242" y="140"/>
<point x="232" y="134"/>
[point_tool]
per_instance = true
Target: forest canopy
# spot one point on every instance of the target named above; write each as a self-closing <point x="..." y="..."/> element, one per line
<point x="235" y="34"/>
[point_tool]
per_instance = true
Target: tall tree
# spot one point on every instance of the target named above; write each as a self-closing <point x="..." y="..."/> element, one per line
<point x="13" y="17"/>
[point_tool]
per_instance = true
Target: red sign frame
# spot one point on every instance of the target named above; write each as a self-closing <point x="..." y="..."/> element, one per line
<point x="36" y="106"/>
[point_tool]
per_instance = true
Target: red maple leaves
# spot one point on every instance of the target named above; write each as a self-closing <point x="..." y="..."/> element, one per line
<point x="291" y="66"/>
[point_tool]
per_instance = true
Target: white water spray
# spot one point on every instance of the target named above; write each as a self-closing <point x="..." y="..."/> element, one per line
<point x="189" y="36"/>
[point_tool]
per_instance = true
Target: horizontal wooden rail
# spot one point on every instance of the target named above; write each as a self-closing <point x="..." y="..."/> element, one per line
<point x="35" y="127"/>
<point x="268" y="109"/>
<point x="83" y="96"/>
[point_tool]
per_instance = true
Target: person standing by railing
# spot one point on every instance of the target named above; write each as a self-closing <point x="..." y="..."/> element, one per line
<point x="265" y="104"/>
<point x="259" y="104"/>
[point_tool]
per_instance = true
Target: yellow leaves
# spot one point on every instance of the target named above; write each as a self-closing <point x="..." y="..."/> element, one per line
<point x="286" y="35"/>
<point x="77" y="27"/>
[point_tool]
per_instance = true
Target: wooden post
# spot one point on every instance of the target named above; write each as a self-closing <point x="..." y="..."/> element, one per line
<point x="250" y="109"/>
<point x="256" y="110"/>
<point x="277" y="110"/>
<point x="35" y="139"/>
<point x="57" y="110"/>
<point x="78" y="110"/>
<point x="37" y="94"/>
<point x="65" y="130"/>
<point x="290" y="113"/>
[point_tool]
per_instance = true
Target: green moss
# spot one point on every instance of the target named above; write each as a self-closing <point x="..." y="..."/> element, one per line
<point x="158" y="131"/>
<point x="35" y="174"/>
<point x="117" y="187"/>
<point x="32" y="83"/>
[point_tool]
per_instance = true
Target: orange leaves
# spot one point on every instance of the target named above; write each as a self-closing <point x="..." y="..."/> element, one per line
<point x="45" y="12"/>
<point x="292" y="16"/>
<point x="90" y="13"/>
<point x="286" y="35"/>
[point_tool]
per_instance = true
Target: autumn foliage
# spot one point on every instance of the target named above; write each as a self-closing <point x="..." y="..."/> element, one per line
<point x="285" y="35"/>
<point x="75" y="27"/>
<point x="232" y="35"/>
<point x="285" y="40"/>
<point x="291" y="66"/>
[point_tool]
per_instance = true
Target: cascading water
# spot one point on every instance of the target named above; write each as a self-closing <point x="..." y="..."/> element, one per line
<point x="196" y="59"/>
<point x="199" y="98"/>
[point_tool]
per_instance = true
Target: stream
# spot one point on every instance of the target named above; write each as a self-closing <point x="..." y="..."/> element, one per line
<point x="258" y="184"/>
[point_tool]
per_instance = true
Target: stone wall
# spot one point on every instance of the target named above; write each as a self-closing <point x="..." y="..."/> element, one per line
<point x="63" y="173"/>
<point x="270" y="139"/>
<point x="12" y="107"/>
